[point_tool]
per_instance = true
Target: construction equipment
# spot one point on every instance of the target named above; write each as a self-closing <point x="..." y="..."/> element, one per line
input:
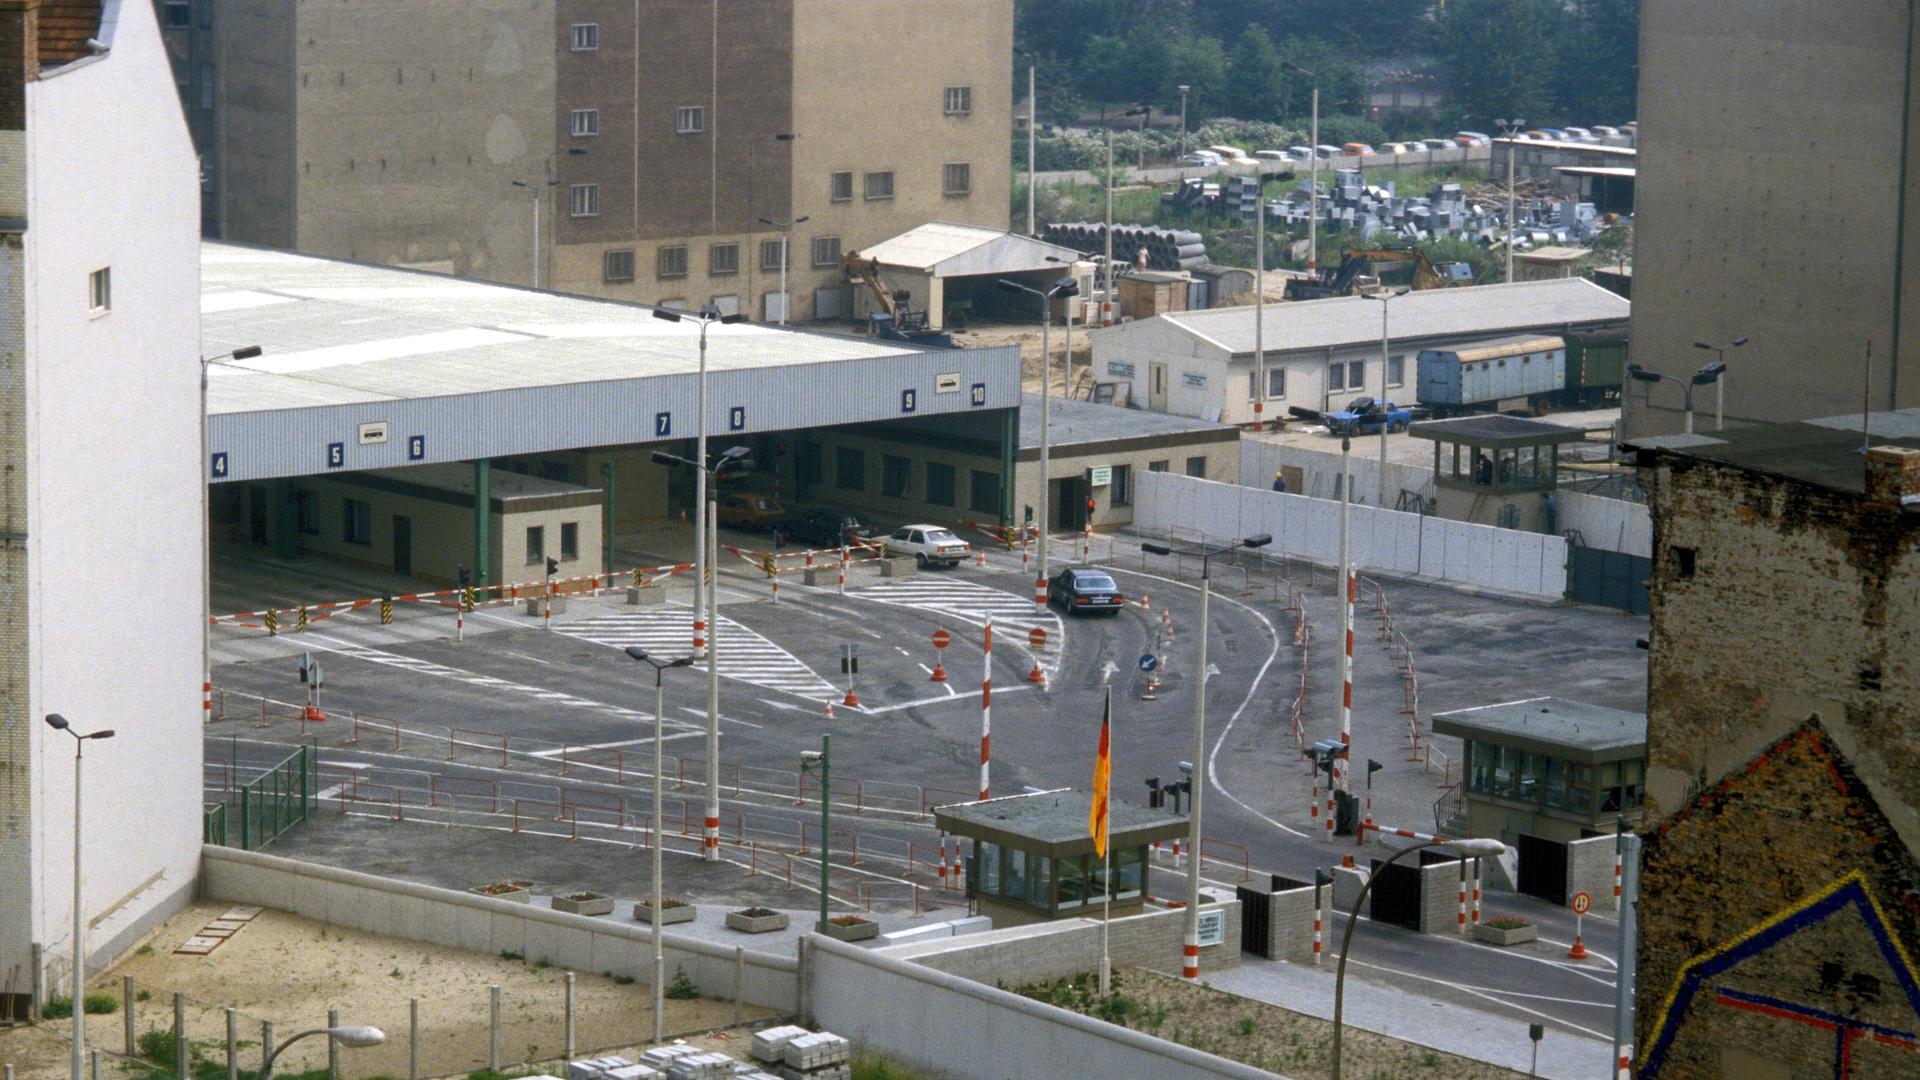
<point x="1344" y="281"/>
<point x="895" y="318"/>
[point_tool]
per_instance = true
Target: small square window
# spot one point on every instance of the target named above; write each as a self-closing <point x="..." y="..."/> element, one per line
<point x="673" y="261"/>
<point x="617" y="266"/>
<point x="1680" y="561"/>
<point x="723" y="259"/>
<point x="569" y="540"/>
<point x="826" y="251"/>
<point x="1277" y="382"/>
<point x="956" y="178"/>
<point x="880" y="185"/>
<point x="179" y="13"/>
<point x="1120" y="491"/>
<point x="583" y="200"/>
<point x="1197" y="466"/>
<point x="536" y="543"/>
<point x="959" y="100"/>
<point x="690" y="119"/>
<point x="983" y="492"/>
<point x="771" y="252"/>
<point x="1396" y="370"/>
<point x="585" y="37"/>
<point x="100" y="290"/>
<point x="841" y="187"/>
<point x="1157" y="466"/>
<point x="586" y="122"/>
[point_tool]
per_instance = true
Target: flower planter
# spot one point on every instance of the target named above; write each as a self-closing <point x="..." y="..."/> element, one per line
<point x="584" y="904"/>
<point x="1495" y="935"/>
<point x="515" y="892"/>
<point x="756" y="921"/>
<point x="859" y="931"/>
<point x="670" y="914"/>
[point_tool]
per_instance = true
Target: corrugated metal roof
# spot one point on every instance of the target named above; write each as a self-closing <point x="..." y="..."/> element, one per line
<point x="1552" y="144"/>
<point x="1355" y="320"/>
<point x="1517" y="345"/>
<point x="950" y="250"/>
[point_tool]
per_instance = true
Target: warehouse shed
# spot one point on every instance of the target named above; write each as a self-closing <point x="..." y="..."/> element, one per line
<point x="952" y="271"/>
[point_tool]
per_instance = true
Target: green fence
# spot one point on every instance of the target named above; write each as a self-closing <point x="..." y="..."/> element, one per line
<point x="263" y="809"/>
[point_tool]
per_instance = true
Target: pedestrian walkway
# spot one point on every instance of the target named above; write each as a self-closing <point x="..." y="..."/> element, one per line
<point x="744" y="655"/>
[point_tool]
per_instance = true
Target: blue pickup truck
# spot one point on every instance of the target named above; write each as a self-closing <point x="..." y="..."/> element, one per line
<point x="1365" y="415"/>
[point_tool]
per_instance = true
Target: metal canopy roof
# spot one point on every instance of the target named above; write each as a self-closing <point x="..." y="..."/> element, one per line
<point x="1055" y="822"/>
<point x="1553" y="726"/>
<point x="459" y="369"/>
<point x="947" y="250"/>
<point x="1496" y="430"/>
<point x="1825" y="451"/>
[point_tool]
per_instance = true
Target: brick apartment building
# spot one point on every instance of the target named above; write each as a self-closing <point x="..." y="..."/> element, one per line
<point x="1780" y="911"/>
<point x="600" y="147"/>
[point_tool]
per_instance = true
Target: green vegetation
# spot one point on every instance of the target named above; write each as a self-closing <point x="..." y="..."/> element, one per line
<point x="871" y="1066"/>
<point x="681" y="988"/>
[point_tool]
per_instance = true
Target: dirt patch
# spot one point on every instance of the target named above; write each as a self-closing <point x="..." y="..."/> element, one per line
<point x="290" y="970"/>
<point x="1252" y="1032"/>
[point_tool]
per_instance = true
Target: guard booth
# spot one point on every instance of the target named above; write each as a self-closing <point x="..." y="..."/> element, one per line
<point x="1554" y="779"/>
<point x="1033" y="857"/>
<point x="1415" y="897"/>
<point x="1496" y="470"/>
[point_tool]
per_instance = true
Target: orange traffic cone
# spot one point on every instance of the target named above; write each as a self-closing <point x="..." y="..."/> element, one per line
<point x="939" y="673"/>
<point x="1579" y="950"/>
<point x="852" y="701"/>
<point x="1146" y="603"/>
<point x="829" y="708"/>
<point x="1036" y="675"/>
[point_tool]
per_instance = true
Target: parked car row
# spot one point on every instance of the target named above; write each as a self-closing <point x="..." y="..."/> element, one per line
<point x="1217" y="156"/>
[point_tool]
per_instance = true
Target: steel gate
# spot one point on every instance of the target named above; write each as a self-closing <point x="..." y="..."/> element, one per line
<point x="1396" y="895"/>
<point x="1543" y="868"/>
<point x="1609" y="578"/>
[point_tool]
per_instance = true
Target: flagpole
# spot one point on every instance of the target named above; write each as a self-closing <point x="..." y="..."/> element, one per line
<point x="1106" y="863"/>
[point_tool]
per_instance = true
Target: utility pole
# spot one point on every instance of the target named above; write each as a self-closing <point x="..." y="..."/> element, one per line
<point x="1033" y="124"/>
<point x="1511" y="131"/>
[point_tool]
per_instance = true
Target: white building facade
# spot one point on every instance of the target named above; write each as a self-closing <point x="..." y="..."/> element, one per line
<point x="101" y="606"/>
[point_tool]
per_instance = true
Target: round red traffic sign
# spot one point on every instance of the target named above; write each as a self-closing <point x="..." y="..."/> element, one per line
<point x="1582" y="903"/>
<point x="941" y="639"/>
<point x="1036" y="637"/>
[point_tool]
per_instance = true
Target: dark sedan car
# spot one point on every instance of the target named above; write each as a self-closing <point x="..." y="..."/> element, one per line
<point x="1085" y="591"/>
<point x="824" y="528"/>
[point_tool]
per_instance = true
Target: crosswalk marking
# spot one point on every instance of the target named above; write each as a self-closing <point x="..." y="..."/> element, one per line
<point x="971" y="602"/>
<point x="745" y="656"/>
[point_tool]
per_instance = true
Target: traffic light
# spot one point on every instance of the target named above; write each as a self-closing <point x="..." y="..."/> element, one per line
<point x="553" y="565"/>
<point x="1155" y="797"/>
<point x="1089" y="506"/>
<point x="465" y="576"/>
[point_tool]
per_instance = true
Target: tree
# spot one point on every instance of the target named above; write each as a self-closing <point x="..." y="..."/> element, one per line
<point x="1498" y="58"/>
<point x="1254" y="80"/>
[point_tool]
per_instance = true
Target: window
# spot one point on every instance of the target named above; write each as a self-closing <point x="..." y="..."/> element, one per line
<point x="306" y="512"/>
<point x="826" y="251"/>
<point x="1013" y="874"/>
<point x="880" y="185"/>
<point x="569" y="540"/>
<point x="959" y="100"/>
<point x="1276" y="382"/>
<point x="983" y="493"/>
<point x="989" y="871"/>
<point x="770" y="253"/>
<point x="586" y="122"/>
<point x="536" y="543"/>
<point x="1073" y="881"/>
<point x="895" y="476"/>
<point x="1351" y="376"/>
<point x="1336" y="377"/>
<point x="690" y="119"/>
<point x="840" y="187"/>
<point x="583" y="200"/>
<point x="1120" y="492"/>
<point x="723" y="259"/>
<point x="1396" y="370"/>
<point x="356" y="521"/>
<point x="585" y="37"/>
<point x="179" y="13"/>
<point x="850" y="468"/>
<point x="673" y="261"/>
<point x="100" y="290"/>
<point x="1129" y="872"/>
<point x="617" y="266"/>
<point x="1039" y="867"/>
<point x="940" y="484"/>
<point x="1680" y="561"/>
<point x="206" y="87"/>
<point x="956" y="178"/>
<point x="1157" y="466"/>
<point x="1197" y="466"/>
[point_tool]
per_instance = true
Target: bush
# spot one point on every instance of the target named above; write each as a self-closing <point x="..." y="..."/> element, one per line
<point x="1507" y="922"/>
<point x="100" y="1002"/>
<point x="682" y="988"/>
<point x="157" y="1045"/>
<point x="57" y="1008"/>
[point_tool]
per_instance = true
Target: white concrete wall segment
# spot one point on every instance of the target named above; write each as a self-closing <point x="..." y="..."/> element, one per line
<point x="112" y="439"/>
<point x="1607" y="524"/>
<point x="482" y="924"/>
<point x="936" y="1021"/>
<point x="1590" y="870"/>
<point x="1382" y="541"/>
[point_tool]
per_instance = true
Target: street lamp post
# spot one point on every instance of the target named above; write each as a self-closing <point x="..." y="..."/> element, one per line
<point x="1384" y="348"/>
<point x="59" y="723"/>
<point x="783" y="226"/>
<point x="823" y="758"/>
<point x="1720" y="384"/>
<point x="1065" y="287"/>
<point x="1708" y="373"/>
<point x="1190" y="966"/>
<point x="351" y="1037"/>
<point x="1183" y="118"/>
<point x="1510" y="129"/>
<point x="536" y="189"/>
<point x="1259" y="300"/>
<point x="1313" y="173"/>
<point x="245" y="352"/>
<point x="653" y="839"/>
<point x="1473" y="848"/>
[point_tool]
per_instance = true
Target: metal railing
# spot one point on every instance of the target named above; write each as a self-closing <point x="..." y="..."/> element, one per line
<point x="264" y="808"/>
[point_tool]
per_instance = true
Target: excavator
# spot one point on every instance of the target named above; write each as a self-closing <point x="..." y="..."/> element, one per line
<point x="1345" y="280"/>
<point x="898" y="321"/>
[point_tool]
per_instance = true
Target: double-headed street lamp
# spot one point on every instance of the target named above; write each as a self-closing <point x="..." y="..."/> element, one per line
<point x="1470" y="848"/>
<point x="536" y="189"/>
<point x="1065" y="287"/>
<point x="706" y="574"/>
<point x="1190" y="968"/>
<point x="784" y="227"/>
<point x="653" y="840"/>
<point x="1183" y="118"/>
<point x="1138" y="110"/>
<point x="1384" y="299"/>
<point x="1511" y="130"/>
<point x="1709" y="373"/>
<point x="353" y="1038"/>
<point x="59" y="723"/>
<point x="1720" y="384"/>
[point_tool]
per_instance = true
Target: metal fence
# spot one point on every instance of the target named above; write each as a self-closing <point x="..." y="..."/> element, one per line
<point x="259" y="811"/>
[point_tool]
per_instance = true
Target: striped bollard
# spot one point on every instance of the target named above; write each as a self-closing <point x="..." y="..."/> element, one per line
<point x="1462" y="918"/>
<point x="1476" y="892"/>
<point x="986" y="708"/>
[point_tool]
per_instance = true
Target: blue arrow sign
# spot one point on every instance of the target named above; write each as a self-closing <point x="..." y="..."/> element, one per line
<point x="1148" y="661"/>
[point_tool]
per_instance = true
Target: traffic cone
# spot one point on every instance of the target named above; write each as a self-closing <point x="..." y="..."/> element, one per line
<point x="852" y="701"/>
<point x="1146" y="604"/>
<point x="939" y="673"/>
<point x="1036" y="676"/>
<point x="1579" y="950"/>
<point x="314" y="715"/>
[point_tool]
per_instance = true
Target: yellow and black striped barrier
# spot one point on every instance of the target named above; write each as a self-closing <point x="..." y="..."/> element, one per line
<point x="300" y="618"/>
<point x="273" y="623"/>
<point x="386" y="611"/>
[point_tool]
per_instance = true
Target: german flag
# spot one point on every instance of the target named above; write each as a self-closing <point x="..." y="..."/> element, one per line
<point x="1102" y="781"/>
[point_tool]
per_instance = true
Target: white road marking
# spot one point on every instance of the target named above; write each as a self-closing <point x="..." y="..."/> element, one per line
<point x="744" y="655"/>
<point x="702" y="714"/>
<point x="973" y="603"/>
<point x="952" y="695"/>
<point x="558" y="750"/>
<point x="1484" y="996"/>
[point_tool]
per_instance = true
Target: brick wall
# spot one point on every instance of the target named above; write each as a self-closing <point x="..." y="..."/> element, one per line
<point x="19" y="59"/>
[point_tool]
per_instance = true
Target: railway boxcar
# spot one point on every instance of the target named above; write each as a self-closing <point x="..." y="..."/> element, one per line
<point x="1524" y="371"/>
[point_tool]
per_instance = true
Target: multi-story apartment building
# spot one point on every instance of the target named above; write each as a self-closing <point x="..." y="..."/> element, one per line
<point x="655" y="152"/>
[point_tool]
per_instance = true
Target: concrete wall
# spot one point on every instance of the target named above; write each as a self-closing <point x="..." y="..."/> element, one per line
<point x="1320" y="470"/>
<point x="112" y="473"/>
<point x="1590" y="870"/>
<point x="1050" y="950"/>
<point x="1711" y="268"/>
<point x="1384" y="541"/>
<point x="484" y="925"/>
<point x="1607" y="524"/>
<point x="253" y="128"/>
<point x="953" y="1027"/>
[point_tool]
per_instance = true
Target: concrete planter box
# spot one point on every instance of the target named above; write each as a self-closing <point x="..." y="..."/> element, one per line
<point x="646" y="595"/>
<point x="1494" y="935"/>
<point x="584" y="904"/>
<point x="860" y="931"/>
<point x="537" y="605"/>
<point x="756" y="923"/>
<point x="896" y="567"/>
<point x="669" y="916"/>
<point x="517" y="894"/>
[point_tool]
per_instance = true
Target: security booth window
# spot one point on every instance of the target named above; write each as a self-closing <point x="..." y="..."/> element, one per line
<point x="1039" y="870"/>
<point x="1580" y="788"/>
<point x="989" y="875"/>
<point x="1073" y="883"/>
<point x="569" y="540"/>
<point x="1013" y="874"/>
<point x="1129" y="872"/>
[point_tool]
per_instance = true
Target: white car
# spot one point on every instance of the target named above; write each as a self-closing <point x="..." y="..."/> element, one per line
<point x="930" y="545"/>
<point x="1204" y="159"/>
